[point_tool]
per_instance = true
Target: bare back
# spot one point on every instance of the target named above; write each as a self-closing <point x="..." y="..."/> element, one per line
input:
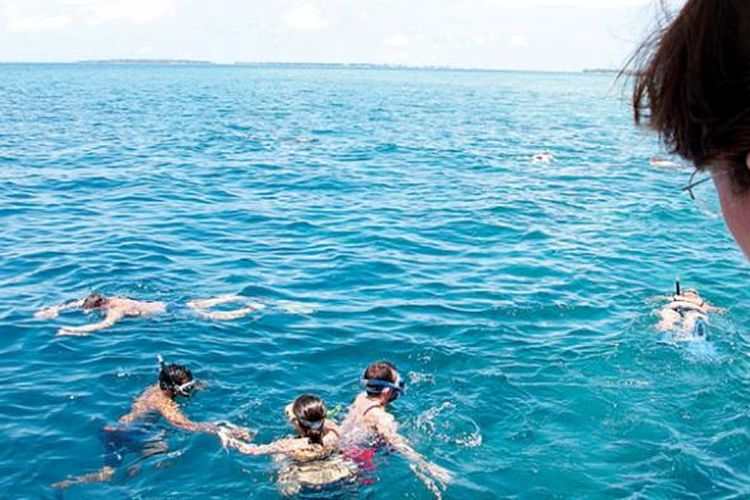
<point x="130" y="307"/>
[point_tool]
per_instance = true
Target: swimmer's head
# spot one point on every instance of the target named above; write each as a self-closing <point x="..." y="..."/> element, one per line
<point x="382" y="380"/>
<point x="94" y="301"/>
<point x="176" y="379"/>
<point x="308" y="414"/>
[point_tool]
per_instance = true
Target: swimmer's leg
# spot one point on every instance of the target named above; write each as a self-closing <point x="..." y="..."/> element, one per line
<point x="101" y="476"/>
<point x="228" y="315"/>
<point x="201" y="308"/>
<point x="213" y="301"/>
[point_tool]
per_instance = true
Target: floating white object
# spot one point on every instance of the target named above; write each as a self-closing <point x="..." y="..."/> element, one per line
<point x="543" y="158"/>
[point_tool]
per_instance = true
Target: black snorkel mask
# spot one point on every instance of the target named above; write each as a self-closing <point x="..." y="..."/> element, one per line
<point x="374" y="386"/>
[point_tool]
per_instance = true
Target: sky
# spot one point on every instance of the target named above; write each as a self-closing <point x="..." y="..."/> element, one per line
<point x="551" y="35"/>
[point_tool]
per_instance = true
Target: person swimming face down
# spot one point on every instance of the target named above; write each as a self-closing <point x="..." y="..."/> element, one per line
<point x="94" y="302"/>
<point x="382" y="381"/>
<point x="308" y="415"/>
<point x="176" y="380"/>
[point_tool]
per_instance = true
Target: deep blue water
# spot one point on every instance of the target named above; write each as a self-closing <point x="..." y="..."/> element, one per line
<point x="401" y="205"/>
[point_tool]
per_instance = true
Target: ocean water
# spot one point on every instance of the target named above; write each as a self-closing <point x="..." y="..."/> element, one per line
<point x="378" y="214"/>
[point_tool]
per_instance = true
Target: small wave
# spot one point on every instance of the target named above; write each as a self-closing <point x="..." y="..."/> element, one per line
<point x="292" y="307"/>
<point x="447" y="424"/>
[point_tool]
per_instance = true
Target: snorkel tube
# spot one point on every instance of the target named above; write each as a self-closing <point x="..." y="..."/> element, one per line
<point x="677" y="289"/>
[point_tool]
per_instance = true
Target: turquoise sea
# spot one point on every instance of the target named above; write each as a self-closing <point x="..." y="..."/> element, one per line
<point x="378" y="214"/>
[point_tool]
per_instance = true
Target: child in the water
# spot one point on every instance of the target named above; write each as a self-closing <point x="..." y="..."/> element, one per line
<point x="135" y="432"/>
<point x="368" y="421"/>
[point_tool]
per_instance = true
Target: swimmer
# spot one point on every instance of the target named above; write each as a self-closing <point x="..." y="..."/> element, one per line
<point x="317" y="436"/>
<point x="115" y="308"/>
<point x="313" y="451"/>
<point x="658" y="161"/>
<point x="688" y="309"/>
<point x="543" y="157"/>
<point x="202" y="307"/>
<point x="118" y="307"/>
<point x="367" y="418"/>
<point x="136" y="432"/>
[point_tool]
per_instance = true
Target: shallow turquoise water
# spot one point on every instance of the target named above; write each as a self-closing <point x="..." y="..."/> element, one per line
<point x="404" y="206"/>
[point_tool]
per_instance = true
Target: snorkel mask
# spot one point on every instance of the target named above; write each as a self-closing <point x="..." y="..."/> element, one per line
<point x="302" y="422"/>
<point x="374" y="386"/>
<point x="184" y="389"/>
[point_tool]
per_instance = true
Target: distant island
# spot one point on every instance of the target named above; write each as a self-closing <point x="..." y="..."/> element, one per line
<point x="175" y="62"/>
<point x="298" y="65"/>
<point x="600" y="70"/>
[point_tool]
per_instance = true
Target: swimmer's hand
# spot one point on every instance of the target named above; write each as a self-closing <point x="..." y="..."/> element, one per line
<point x="47" y="313"/>
<point x="427" y="481"/>
<point x="227" y="440"/>
<point x="237" y="437"/>
<point x="241" y="433"/>
<point x="233" y="431"/>
<point x="440" y="474"/>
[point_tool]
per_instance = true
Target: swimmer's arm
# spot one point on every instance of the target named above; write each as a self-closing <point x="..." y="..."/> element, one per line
<point x="112" y="317"/>
<point x="717" y="310"/>
<point x="178" y="419"/>
<point x="387" y="427"/>
<point x="280" y="447"/>
<point x="53" y="312"/>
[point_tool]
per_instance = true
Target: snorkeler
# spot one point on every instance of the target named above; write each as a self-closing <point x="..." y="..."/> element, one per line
<point x="689" y="310"/>
<point x="317" y="436"/>
<point x="136" y="432"/>
<point x="313" y="452"/>
<point x="367" y="419"/>
<point x="115" y="308"/>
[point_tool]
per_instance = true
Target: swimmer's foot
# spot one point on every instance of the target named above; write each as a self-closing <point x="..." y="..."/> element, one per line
<point x="101" y="476"/>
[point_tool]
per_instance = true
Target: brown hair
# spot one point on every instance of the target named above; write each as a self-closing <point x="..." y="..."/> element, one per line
<point x="307" y="408"/>
<point x="173" y="375"/>
<point x="692" y="85"/>
<point x="94" y="301"/>
<point x="381" y="370"/>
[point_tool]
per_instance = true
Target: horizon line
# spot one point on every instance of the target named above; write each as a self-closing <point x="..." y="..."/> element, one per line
<point x="351" y="65"/>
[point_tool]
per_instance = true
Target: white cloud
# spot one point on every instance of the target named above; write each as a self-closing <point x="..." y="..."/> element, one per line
<point x="397" y="41"/>
<point x="34" y="15"/>
<point x="305" y="17"/>
<point x="20" y="24"/>
<point x="518" y="41"/>
<point x="135" y="11"/>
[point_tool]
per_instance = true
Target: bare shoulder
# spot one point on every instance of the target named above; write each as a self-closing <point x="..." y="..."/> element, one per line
<point x="143" y="404"/>
<point x="377" y="417"/>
